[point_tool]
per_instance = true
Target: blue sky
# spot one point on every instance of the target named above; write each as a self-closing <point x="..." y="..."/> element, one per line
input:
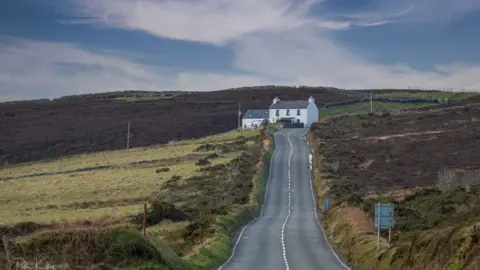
<point x="62" y="47"/>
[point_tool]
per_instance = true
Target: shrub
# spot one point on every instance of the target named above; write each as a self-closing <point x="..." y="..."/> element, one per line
<point x="203" y="162"/>
<point x="212" y="156"/>
<point x="165" y="169"/>
<point x="161" y="210"/>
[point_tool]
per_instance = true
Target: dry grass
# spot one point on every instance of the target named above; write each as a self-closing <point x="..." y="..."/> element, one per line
<point x="49" y="198"/>
<point x="71" y="215"/>
<point x="119" y="157"/>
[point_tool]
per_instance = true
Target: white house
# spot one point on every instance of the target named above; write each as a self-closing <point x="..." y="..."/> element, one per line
<point x="298" y="111"/>
<point x="253" y="118"/>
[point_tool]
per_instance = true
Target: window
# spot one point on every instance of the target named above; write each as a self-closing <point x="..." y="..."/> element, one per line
<point x="278" y="112"/>
<point x="298" y="112"/>
<point x="288" y="112"/>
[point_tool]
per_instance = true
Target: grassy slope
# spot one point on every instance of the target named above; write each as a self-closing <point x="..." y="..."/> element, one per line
<point x="50" y="198"/>
<point x="364" y="107"/>
<point x="424" y="94"/>
<point x="119" y="190"/>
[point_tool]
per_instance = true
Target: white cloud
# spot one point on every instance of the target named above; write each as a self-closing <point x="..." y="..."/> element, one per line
<point x="271" y="39"/>
<point x="413" y="11"/>
<point x="211" y="21"/>
<point x="33" y="69"/>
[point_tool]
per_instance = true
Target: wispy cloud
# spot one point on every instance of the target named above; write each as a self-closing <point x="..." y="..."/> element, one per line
<point x="412" y="11"/>
<point x="210" y="21"/>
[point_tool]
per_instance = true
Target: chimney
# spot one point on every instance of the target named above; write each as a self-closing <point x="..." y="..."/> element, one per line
<point x="311" y="100"/>
<point x="275" y="100"/>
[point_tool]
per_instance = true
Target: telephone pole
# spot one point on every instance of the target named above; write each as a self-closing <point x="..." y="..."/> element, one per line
<point x="239" y="122"/>
<point x="128" y="135"/>
<point x="371" y="102"/>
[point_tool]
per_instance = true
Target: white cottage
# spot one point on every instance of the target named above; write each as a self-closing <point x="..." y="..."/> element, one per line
<point x="253" y="118"/>
<point x="297" y="111"/>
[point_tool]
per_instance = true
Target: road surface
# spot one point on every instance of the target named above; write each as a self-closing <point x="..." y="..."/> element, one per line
<point x="286" y="235"/>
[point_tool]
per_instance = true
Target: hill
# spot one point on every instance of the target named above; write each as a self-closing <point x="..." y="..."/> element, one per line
<point x="43" y="129"/>
<point x="425" y="161"/>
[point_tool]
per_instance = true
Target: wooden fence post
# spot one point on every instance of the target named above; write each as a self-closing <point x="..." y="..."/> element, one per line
<point x="144" y="219"/>
<point x="5" y="244"/>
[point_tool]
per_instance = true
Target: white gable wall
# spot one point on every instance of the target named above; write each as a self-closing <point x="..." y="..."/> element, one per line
<point x="312" y="114"/>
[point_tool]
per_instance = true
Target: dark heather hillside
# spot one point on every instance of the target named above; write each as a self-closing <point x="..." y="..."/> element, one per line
<point x="43" y="129"/>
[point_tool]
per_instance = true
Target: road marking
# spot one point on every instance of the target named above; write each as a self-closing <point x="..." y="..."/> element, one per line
<point x="284" y="248"/>
<point x="261" y="211"/>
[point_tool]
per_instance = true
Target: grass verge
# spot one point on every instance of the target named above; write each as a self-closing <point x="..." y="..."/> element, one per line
<point x="220" y="247"/>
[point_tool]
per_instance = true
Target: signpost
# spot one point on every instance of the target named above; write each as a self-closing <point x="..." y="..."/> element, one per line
<point x="384" y="219"/>
<point x="326" y="204"/>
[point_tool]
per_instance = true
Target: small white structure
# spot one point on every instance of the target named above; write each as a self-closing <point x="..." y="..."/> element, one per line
<point x="252" y="119"/>
<point x="298" y="111"/>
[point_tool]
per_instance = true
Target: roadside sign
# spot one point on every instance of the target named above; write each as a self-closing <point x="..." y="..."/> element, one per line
<point x="326" y="203"/>
<point x="384" y="219"/>
<point x="384" y="215"/>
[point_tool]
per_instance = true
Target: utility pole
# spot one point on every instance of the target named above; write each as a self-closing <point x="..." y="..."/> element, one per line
<point x="371" y="102"/>
<point x="128" y="135"/>
<point x="239" y="113"/>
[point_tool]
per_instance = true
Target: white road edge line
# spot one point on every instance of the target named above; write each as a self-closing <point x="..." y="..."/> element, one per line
<point x="261" y="211"/>
<point x="284" y="248"/>
<point x="315" y="210"/>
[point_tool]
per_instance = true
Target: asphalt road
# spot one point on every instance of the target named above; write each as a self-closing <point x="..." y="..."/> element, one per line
<point x="287" y="234"/>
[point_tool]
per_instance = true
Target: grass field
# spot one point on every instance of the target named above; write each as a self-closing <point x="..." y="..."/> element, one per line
<point x="364" y="107"/>
<point x="424" y="94"/>
<point x="78" y="189"/>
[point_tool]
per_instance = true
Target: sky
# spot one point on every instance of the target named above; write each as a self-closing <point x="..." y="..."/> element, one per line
<point x="63" y="47"/>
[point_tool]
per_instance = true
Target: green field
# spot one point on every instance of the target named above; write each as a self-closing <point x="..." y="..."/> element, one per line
<point x="364" y="107"/>
<point x="424" y="94"/>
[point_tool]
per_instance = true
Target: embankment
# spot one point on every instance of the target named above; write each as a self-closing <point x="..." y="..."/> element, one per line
<point x="350" y="229"/>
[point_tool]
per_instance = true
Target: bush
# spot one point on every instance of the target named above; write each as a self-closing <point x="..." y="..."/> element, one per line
<point x="159" y="211"/>
<point x="212" y="156"/>
<point x="203" y="162"/>
<point x="165" y="169"/>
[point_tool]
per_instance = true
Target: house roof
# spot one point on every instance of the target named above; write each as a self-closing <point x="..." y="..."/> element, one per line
<point x="290" y="104"/>
<point x="255" y="114"/>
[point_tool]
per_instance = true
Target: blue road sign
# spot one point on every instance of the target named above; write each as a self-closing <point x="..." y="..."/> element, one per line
<point x="326" y="203"/>
<point x="384" y="215"/>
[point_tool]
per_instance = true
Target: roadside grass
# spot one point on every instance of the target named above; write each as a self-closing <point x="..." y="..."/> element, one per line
<point x="364" y="107"/>
<point x="434" y="229"/>
<point x="424" y="94"/>
<point x="218" y="250"/>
